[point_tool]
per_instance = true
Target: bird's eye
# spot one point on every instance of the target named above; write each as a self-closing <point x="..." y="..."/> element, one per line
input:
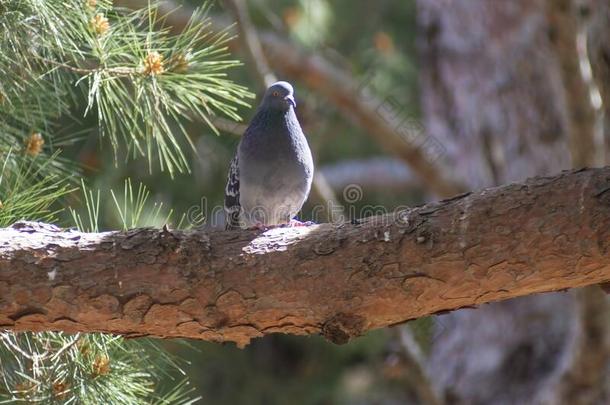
<point x="276" y="93"/>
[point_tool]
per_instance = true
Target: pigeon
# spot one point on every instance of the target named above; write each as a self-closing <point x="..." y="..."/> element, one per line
<point x="270" y="176"/>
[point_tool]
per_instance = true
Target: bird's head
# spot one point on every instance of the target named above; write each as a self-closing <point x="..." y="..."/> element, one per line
<point x="279" y="95"/>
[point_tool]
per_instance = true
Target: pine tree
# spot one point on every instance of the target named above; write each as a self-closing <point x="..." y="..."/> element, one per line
<point x="64" y="60"/>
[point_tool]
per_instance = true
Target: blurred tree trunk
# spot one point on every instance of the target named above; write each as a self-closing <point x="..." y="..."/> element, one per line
<point x="491" y="89"/>
<point x="565" y="28"/>
<point x="495" y="84"/>
<point x="598" y="13"/>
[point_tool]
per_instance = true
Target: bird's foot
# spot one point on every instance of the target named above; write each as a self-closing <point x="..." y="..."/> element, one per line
<point x="292" y="224"/>
<point x="259" y="227"/>
<point x="295" y="223"/>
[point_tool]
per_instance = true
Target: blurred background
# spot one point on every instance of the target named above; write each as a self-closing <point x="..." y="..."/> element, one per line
<point x="408" y="101"/>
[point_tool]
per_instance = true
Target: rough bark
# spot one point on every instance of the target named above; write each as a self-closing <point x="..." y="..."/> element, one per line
<point x="338" y="280"/>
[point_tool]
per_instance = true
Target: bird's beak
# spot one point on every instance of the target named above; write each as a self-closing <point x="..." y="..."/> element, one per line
<point x="291" y="100"/>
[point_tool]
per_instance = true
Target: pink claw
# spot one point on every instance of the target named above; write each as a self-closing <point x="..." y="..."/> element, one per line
<point x="258" y="227"/>
<point x="295" y="223"/>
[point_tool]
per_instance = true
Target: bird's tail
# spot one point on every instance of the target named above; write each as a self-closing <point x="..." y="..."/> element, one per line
<point x="233" y="222"/>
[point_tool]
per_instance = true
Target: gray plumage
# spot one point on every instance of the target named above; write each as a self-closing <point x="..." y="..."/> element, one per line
<point x="270" y="176"/>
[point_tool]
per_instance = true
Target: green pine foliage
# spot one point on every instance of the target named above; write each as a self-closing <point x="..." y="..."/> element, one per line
<point x="132" y="207"/>
<point x="59" y="368"/>
<point x="141" y="81"/>
<point x="29" y="189"/>
<point x="63" y="62"/>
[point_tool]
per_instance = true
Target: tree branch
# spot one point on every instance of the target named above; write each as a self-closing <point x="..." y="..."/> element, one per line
<point x="584" y="381"/>
<point x="546" y="234"/>
<point x="415" y="369"/>
<point x="375" y="175"/>
<point x="250" y="43"/>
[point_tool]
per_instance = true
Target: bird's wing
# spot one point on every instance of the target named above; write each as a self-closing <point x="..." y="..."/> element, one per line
<point x="232" y="206"/>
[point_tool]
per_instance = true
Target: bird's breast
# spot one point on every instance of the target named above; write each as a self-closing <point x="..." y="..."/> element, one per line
<point x="281" y="176"/>
<point x="275" y="169"/>
<point x="273" y="192"/>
